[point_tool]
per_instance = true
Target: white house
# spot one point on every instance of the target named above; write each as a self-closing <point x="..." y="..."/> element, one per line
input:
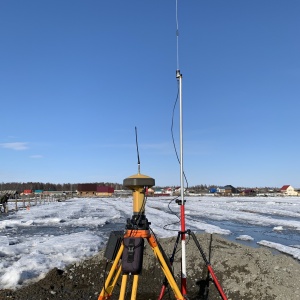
<point x="288" y="190"/>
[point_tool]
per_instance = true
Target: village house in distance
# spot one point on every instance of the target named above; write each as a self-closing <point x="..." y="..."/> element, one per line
<point x="94" y="190"/>
<point x="109" y="190"/>
<point x="227" y="190"/>
<point x="288" y="190"/>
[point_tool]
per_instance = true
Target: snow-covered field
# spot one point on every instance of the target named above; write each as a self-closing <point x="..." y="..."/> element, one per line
<point x="53" y="235"/>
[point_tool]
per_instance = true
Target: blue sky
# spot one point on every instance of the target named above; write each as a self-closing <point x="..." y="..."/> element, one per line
<point x="76" y="77"/>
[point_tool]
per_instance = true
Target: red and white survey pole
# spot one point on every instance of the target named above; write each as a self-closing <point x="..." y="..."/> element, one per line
<point x="182" y="202"/>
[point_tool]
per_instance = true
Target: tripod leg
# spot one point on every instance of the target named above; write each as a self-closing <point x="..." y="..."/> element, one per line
<point x="209" y="267"/>
<point x="123" y="287"/>
<point x="134" y="287"/>
<point x="108" y="287"/>
<point x="165" y="282"/>
<point x="165" y="268"/>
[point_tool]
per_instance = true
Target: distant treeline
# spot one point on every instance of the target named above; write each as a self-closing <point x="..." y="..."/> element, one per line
<point x="21" y="186"/>
<point x="73" y="186"/>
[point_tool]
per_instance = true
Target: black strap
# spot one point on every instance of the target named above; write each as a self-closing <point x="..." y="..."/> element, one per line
<point x="131" y="247"/>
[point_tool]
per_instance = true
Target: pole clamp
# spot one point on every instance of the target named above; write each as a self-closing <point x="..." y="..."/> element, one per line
<point x="179" y="202"/>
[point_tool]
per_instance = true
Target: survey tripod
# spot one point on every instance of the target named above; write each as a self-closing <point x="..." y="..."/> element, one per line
<point x="128" y="257"/>
<point x="210" y="272"/>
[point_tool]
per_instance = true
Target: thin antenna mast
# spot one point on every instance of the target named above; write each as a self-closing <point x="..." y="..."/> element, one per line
<point x="137" y="151"/>
<point x="182" y="203"/>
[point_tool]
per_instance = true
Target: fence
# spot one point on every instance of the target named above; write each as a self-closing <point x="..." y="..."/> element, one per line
<point x="26" y="201"/>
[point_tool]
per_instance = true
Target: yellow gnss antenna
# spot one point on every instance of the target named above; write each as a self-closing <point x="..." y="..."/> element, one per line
<point x="138" y="183"/>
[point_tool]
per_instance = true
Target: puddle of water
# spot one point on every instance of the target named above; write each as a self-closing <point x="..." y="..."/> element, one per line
<point x="285" y="237"/>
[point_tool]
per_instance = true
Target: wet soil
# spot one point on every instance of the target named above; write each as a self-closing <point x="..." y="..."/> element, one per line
<point x="244" y="273"/>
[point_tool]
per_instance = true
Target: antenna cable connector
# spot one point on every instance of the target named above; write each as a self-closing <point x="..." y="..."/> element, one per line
<point x="178" y="74"/>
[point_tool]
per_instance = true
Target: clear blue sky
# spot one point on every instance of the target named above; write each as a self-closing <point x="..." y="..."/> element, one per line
<point x="76" y="77"/>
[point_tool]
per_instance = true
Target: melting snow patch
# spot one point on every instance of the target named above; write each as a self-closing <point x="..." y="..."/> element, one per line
<point x="245" y="238"/>
<point x="278" y="228"/>
<point x="295" y="252"/>
<point x="295" y="246"/>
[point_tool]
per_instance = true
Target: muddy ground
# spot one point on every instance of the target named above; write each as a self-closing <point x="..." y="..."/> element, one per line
<point x="244" y="273"/>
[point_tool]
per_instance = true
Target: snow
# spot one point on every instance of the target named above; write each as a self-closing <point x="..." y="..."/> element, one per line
<point x="58" y="233"/>
<point x="278" y="228"/>
<point x="293" y="251"/>
<point x="245" y="237"/>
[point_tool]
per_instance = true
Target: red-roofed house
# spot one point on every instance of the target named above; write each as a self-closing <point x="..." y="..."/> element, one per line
<point x="288" y="190"/>
<point x="27" y="192"/>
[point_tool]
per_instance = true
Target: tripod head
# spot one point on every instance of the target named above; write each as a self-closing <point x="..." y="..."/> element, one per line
<point x="138" y="183"/>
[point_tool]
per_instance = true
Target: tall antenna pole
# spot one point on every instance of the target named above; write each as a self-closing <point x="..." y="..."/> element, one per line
<point x="182" y="210"/>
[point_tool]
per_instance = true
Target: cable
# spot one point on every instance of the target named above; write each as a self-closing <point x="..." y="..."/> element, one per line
<point x="172" y="134"/>
<point x="172" y="124"/>
<point x="174" y="213"/>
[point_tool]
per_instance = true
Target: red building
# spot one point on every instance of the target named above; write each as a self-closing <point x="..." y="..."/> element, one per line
<point x="27" y="192"/>
<point x="94" y="190"/>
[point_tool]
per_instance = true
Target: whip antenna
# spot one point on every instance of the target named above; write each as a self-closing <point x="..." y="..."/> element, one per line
<point x="137" y="151"/>
<point x="177" y="36"/>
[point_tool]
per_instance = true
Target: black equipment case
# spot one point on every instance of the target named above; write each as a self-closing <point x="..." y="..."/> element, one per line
<point x="132" y="259"/>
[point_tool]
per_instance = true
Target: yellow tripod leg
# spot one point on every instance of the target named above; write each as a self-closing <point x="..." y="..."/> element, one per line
<point x="123" y="287"/>
<point x="134" y="287"/>
<point x="108" y="288"/>
<point x="165" y="268"/>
